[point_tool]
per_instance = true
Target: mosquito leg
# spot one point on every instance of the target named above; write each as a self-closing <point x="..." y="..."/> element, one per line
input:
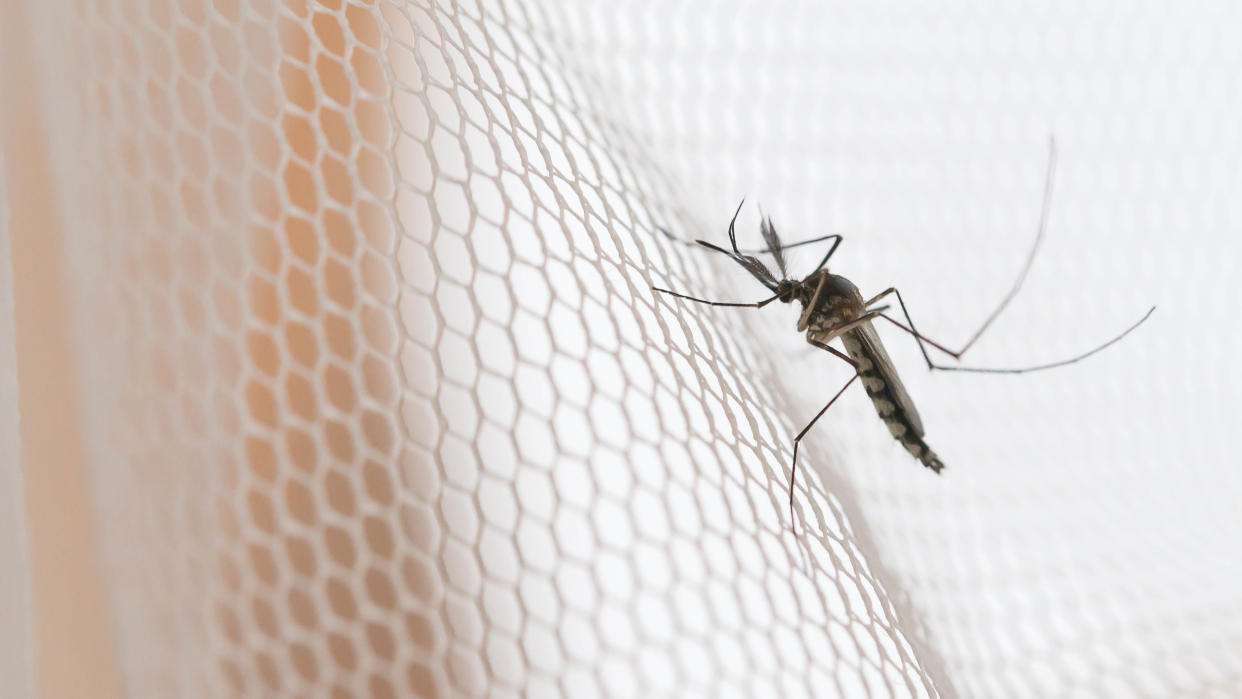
<point x="846" y="327"/>
<point x="1030" y="259"/>
<point x="921" y="339"/>
<point x="1040" y="230"/>
<point x="756" y="304"/>
<point x="835" y="237"/>
<point x="810" y="307"/>
<point x="836" y="352"/>
<point x="918" y="336"/>
<point x="793" y="470"/>
<point x="1022" y="370"/>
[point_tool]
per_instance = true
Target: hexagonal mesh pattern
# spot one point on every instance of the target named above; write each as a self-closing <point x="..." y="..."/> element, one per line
<point x="394" y="411"/>
<point x="381" y="403"/>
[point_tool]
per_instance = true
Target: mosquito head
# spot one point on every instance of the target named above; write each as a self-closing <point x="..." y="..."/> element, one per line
<point x="788" y="290"/>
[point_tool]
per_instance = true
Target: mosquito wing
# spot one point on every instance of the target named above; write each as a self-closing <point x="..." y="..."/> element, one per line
<point x="874" y="350"/>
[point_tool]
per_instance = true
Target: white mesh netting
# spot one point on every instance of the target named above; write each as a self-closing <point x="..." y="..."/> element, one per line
<point x="378" y="401"/>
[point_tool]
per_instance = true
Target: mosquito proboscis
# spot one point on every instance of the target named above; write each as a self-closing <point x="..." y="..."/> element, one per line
<point x="832" y="307"/>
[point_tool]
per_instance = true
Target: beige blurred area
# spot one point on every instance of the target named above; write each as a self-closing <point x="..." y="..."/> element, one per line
<point x="74" y="651"/>
<point x="301" y="317"/>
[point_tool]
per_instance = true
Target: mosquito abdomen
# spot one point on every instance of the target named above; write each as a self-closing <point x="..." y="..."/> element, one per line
<point x="879" y="387"/>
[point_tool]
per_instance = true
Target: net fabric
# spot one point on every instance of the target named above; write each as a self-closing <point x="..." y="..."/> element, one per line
<point x="380" y="400"/>
<point x="241" y="259"/>
<point x="282" y="512"/>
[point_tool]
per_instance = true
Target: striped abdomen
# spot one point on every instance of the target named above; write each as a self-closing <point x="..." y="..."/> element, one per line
<point x="888" y="394"/>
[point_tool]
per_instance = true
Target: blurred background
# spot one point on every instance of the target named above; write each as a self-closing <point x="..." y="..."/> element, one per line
<point x="329" y="364"/>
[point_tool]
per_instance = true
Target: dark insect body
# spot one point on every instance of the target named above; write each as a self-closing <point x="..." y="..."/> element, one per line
<point x="841" y="305"/>
<point x="832" y="307"/>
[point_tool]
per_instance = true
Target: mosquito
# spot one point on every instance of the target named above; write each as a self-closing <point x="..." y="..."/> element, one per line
<point x="832" y="307"/>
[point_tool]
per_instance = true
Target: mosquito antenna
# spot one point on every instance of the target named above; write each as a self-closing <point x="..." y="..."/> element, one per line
<point x="732" y="222"/>
<point x="756" y="268"/>
<point x="1039" y="238"/>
